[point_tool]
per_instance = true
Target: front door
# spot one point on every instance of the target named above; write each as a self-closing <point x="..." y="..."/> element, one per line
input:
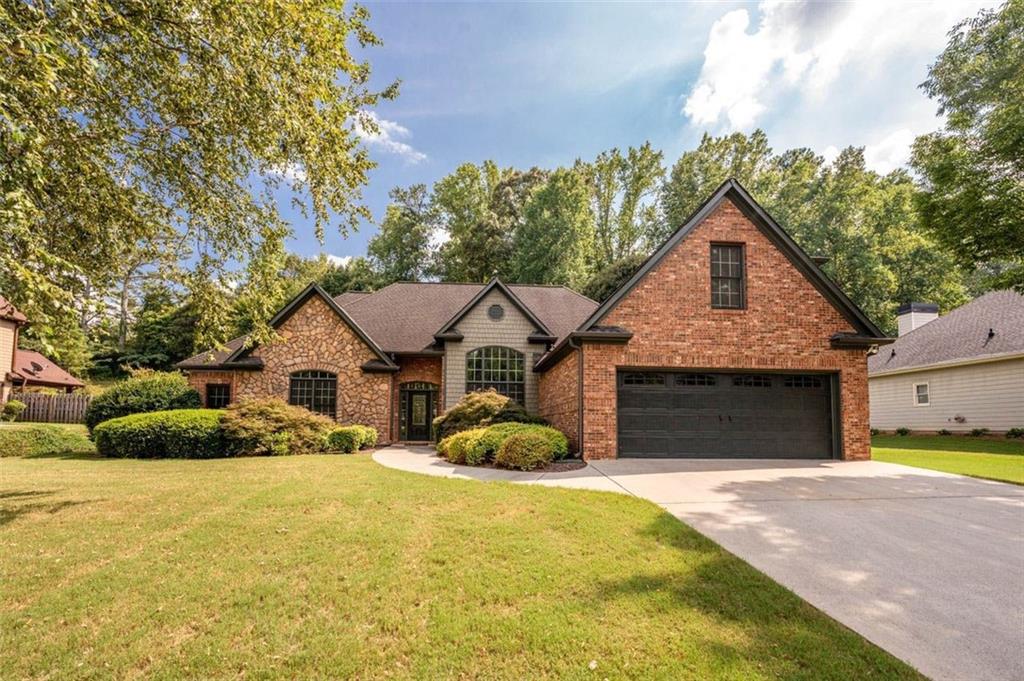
<point x="419" y="412"/>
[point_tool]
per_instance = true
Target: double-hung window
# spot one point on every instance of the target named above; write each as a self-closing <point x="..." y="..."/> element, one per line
<point x="728" y="289"/>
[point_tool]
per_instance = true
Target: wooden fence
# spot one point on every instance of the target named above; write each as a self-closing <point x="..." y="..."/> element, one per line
<point x="60" y="408"/>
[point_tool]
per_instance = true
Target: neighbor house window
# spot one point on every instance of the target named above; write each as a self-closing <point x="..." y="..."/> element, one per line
<point x="218" y="395"/>
<point x="317" y="391"/>
<point x="921" y="398"/>
<point x="499" y="368"/>
<point x="727" y="287"/>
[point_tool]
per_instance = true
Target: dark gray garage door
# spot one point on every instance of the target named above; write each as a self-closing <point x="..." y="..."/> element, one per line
<point x="719" y="415"/>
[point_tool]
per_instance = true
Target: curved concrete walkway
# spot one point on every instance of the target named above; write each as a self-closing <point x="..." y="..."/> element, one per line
<point x="927" y="565"/>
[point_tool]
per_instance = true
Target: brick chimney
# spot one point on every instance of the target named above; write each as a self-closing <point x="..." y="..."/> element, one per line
<point x="912" y="316"/>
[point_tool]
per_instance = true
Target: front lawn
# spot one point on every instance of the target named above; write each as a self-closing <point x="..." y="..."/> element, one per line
<point x="978" y="457"/>
<point x="331" y="566"/>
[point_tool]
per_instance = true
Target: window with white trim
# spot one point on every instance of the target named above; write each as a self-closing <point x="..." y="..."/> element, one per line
<point x="921" y="396"/>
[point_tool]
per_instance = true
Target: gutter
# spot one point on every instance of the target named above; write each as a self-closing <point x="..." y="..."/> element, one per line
<point x="579" y="395"/>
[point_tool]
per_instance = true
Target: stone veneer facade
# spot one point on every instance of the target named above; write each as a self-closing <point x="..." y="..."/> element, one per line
<point x="315" y="338"/>
<point x="785" y="326"/>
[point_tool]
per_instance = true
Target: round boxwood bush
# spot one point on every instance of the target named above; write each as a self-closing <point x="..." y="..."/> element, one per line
<point x="144" y="392"/>
<point x="454" y="447"/>
<point x="481" y="408"/>
<point x="525" y="452"/>
<point x="12" y="410"/>
<point x="43" y="439"/>
<point x="177" y="434"/>
<point x="344" y="440"/>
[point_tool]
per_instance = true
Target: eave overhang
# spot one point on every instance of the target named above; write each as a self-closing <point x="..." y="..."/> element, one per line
<point x="849" y="341"/>
<point x="609" y="335"/>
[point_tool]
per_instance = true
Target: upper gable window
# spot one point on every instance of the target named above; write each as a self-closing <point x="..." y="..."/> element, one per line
<point x="728" y="289"/>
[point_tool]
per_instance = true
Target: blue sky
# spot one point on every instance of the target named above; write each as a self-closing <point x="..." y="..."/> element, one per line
<point x="544" y="84"/>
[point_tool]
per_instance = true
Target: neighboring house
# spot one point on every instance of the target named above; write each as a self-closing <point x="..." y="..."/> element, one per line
<point x="958" y="372"/>
<point x="35" y="370"/>
<point x="11" y="321"/>
<point x="727" y="342"/>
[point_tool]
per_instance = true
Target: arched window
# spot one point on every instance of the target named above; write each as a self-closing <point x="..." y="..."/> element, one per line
<point x="496" y="367"/>
<point x="317" y="391"/>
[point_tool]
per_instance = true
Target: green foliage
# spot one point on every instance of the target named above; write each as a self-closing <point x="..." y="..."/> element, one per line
<point x="125" y="124"/>
<point x="368" y="436"/>
<point x="944" y="431"/>
<point x="484" y="448"/>
<point x="973" y="201"/>
<point x="344" y="440"/>
<point x="525" y="451"/>
<point x="903" y="431"/>
<point x="555" y="243"/>
<point x="480" y="408"/>
<point x="456" y="448"/>
<point x="401" y="249"/>
<point x="875" y="431"/>
<point x="979" y="432"/>
<point x="12" y="410"/>
<point x="164" y="331"/>
<point x="146" y="391"/>
<point x="178" y="434"/>
<point x="606" y="281"/>
<point x="272" y="427"/>
<point x="43" y="439"/>
<point x="1015" y="433"/>
<point x="357" y="274"/>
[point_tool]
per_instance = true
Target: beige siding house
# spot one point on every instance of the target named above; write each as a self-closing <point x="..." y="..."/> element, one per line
<point x="11" y="321"/>
<point x="958" y="372"/>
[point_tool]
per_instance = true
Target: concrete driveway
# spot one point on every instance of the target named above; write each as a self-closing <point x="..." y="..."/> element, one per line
<point x="927" y="565"/>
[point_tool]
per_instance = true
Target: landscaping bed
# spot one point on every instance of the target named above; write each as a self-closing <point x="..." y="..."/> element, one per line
<point x="326" y="566"/>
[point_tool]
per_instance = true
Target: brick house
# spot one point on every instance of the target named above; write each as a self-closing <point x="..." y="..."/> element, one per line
<point x="729" y="341"/>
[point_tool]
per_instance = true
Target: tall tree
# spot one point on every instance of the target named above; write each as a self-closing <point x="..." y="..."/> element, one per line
<point x="119" y="120"/>
<point x="555" y="242"/>
<point x="973" y="170"/>
<point x="624" y="200"/>
<point x="401" y="250"/>
<point x="357" y="274"/>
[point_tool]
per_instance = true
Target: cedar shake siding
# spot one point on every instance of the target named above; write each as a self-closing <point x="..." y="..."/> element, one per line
<point x="559" y="397"/>
<point x="478" y="331"/>
<point x="786" y="325"/>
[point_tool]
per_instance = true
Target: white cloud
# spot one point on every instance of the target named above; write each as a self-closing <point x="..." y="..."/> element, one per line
<point x="293" y="172"/>
<point x="388" y="136"/>
<point x="339" y="260"/>
<point x="889" y="153"/>
<point x="799" y="50"/>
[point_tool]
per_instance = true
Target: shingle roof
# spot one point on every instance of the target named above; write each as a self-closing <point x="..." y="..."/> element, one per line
<point x="35" y="368"/>
<point x="8" y="311"/>
<point x="404" y="316"/>
<point x="963" y="334"/>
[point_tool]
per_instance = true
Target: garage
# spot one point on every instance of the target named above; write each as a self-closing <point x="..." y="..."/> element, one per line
<point x="740" y="415"/>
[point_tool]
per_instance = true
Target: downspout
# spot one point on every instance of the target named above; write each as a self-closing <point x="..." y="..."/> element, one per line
<point x="579" y="394"/>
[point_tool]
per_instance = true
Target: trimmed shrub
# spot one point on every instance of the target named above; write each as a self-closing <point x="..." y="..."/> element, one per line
<point x="177" y="434"/>
<point x="272" y="427"/>
<point x="12" y="410"/>
<point x="525" y="452"/>
<point x="481" y="408"/>
<point x="488" y="444"/>
<point x="144" y="392"/>
<point x="43" y="439"/>
<point x="344" y="440"/>
<point x="1015" y="433"/>
<point x="943" y="431"/>
<point x="455" y="447"/>
<point x="367" y="436"/>
<point x="903" y="431"/>
<point x="978" y="432"/>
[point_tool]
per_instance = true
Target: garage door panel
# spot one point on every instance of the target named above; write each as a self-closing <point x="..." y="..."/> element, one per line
<point x="725" y="415"/>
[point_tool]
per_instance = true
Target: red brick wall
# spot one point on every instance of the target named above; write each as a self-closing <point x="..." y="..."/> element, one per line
<point x="426" y="369"/>
<point x="559" y="397"/>
<point x="199" y="379"/>
<point x="786" y="326"/>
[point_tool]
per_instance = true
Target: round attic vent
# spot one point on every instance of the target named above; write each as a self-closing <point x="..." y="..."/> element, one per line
<point x="496" y="312"/>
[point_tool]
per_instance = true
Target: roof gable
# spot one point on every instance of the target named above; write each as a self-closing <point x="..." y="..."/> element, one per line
<point x="495" y="283"/>
<point x="314" y="290"/>
<point x="732" y="190"/>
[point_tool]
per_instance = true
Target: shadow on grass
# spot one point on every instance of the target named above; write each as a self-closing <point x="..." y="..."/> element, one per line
<point x="69" y="455"/>
<point x="20" y="507"/>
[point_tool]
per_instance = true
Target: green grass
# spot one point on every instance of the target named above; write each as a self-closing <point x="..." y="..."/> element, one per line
<point x="320" y="566"/>
<point x="978" y="457"/>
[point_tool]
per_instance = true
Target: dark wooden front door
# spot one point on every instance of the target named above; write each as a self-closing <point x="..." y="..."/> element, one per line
<point x="419" y="413"/>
